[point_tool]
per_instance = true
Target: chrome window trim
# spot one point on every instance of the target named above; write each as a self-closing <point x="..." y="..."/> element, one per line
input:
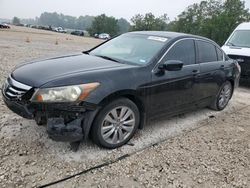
<point x="195" y="39"/>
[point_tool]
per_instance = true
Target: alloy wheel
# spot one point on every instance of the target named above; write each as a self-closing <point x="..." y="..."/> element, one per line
<point x="118" y="125"/>
<point x="225" y="95"/>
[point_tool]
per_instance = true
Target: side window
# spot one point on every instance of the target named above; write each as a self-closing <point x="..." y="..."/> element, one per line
<point x="220" y="54"/>
<point x="207" y="52"/>
<point x="182" y="51"/>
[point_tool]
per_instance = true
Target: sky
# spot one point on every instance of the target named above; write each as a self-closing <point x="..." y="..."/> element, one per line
<point x="117" y="8"/>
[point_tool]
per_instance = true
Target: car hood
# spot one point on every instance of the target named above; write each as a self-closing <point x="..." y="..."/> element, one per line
<point x="233" y="50"/>
<point x="38" y="73"/>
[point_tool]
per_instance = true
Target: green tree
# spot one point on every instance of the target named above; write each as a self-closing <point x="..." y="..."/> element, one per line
<point x="84" y="22"/>
<point x="148" y="22"/>
<point x="234" y="13"/>
<point x="104" y="24"/>
<point x="33" y="21"/>
<point x="52" y="19"/>
<point x="123" y="25"/>
<point x="56" y="20"/>
<point x="16" y="21"/>
<point x="214" y="19"/>
<point x="196" y="16"/>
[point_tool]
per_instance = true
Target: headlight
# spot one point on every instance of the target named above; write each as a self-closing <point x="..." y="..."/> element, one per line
<point x="64" y="94"/>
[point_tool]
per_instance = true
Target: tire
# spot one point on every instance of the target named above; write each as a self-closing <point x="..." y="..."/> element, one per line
<point x="223" y="97"/>
<point x="115" y="124"/>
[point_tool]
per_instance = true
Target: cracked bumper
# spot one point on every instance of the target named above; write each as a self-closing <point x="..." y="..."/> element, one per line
<point x="59" y="131"/>
<point x="65" y="122"/>
<point x="18" y="108"/>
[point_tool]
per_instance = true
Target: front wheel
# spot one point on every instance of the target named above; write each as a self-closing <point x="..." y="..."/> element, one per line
<point x="115" y="124"/>
<point x="223" y="97"/>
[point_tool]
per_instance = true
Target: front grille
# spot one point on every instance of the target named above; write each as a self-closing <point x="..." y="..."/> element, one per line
<point x="15" y="90"/>
<point x="244" y="62"/>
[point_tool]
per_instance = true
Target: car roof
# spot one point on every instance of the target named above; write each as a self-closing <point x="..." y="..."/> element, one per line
<point x="167" y="34"/>
<point x="170" y="35"/>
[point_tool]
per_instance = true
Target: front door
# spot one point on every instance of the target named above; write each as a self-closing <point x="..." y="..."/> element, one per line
<point x="172" y="91"/>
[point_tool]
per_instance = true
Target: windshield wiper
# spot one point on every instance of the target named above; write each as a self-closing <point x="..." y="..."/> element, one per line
<point x="108" y="58"/>
<point x="86" y="52"/>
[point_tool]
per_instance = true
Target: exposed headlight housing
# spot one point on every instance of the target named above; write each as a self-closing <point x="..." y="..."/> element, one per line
<point x="64" y="94"/>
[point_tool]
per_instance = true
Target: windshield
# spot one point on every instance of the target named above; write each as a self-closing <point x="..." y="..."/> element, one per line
<point x="240" y="38"/>
<point x="131" y="48"/>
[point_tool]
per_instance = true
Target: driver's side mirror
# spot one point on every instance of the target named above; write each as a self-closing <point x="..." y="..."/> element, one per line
<point x="171" y="65"/>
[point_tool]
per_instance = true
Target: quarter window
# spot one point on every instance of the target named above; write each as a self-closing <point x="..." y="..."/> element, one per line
<point x="207" y="52"/>
<point x="182" y="51"/>
<point x="220" y="54"/>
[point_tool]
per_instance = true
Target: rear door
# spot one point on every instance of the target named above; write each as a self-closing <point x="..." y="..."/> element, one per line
<point x="211" y="67"/>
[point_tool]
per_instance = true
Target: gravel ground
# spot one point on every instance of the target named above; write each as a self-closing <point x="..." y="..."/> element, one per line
<point x="198" y="149"/>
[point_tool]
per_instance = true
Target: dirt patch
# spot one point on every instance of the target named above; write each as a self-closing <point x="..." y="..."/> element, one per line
<point x="214" y="155"/>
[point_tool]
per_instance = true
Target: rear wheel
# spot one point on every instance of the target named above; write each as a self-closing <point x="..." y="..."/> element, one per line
<point x="115" y="124"/>
<point x="223" y="97"/>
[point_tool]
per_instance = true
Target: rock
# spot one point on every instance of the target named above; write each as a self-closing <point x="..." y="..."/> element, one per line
<point x="199" y="181"/>
<point x="241" y="129"/>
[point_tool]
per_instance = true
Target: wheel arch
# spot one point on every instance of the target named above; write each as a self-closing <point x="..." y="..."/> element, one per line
<point x="131" y="95"/>
<point x="233" y="84"/>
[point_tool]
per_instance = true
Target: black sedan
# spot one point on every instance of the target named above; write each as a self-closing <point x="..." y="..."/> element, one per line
<point x="110" y="91"/>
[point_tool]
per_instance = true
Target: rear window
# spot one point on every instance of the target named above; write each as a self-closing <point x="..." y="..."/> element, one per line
<point x="207" y="52"/>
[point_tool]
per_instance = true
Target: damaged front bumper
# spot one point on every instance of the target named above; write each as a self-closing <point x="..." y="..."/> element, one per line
<point x="66" y="122"/>
<point x="59" y="131"/>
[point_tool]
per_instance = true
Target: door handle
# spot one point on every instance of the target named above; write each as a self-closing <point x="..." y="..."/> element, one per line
<point x="195" y="71"/>
<point x="222" y="66"/>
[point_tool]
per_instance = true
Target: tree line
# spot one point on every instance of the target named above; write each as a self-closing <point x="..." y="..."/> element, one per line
<point x="98" y="24"/>
<point x="214" y="19"/>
